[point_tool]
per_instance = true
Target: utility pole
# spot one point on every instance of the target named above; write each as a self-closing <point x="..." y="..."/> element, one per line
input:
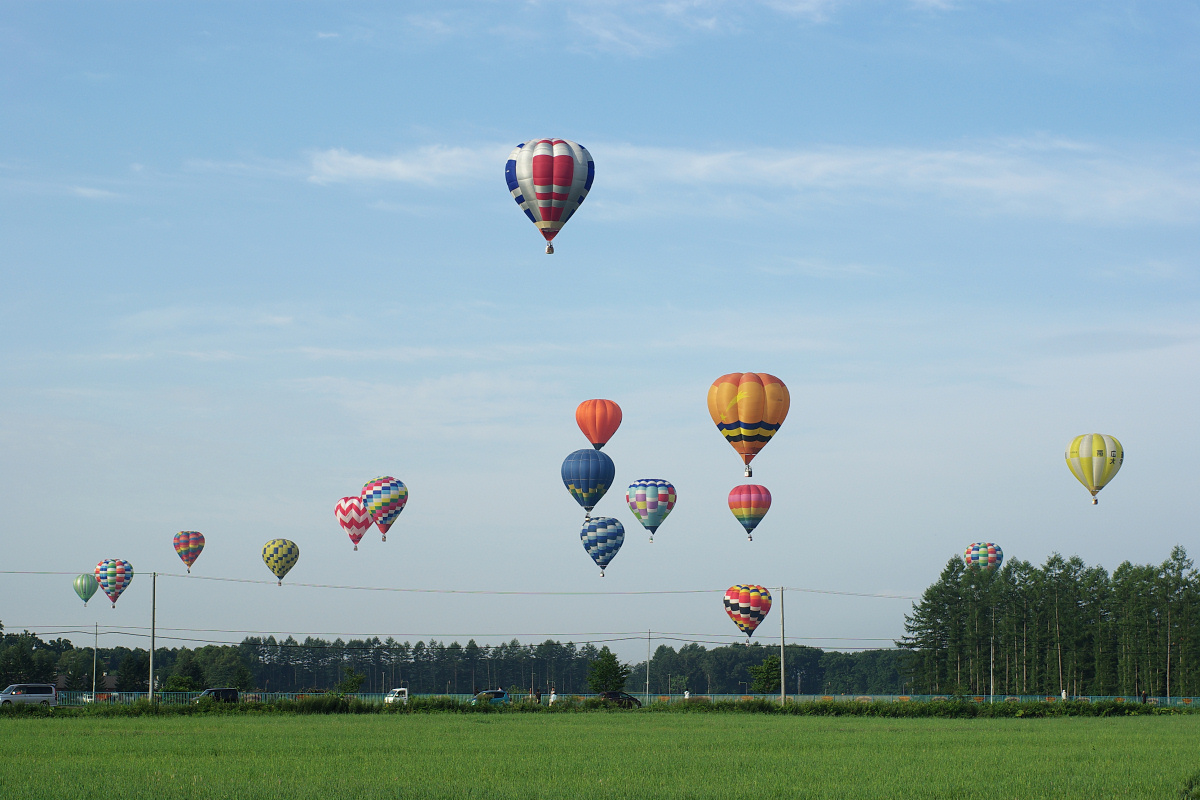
<point x="782" y="655"/>
<point x="153" y="611"/>
<point x="95" y="644"/>
<point x="647" y="668"/>
<point x="992" y="666"/>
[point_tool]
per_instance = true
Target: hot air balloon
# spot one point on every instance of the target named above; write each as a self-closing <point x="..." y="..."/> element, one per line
<point x="1094" y="459"/>
<point x="353" y="518"/>
<point x="549" y="179"/>
<point x="984" y="554"/>
<point x="748" y="407"/>
<point x="599" y="420"/>
<point x="113" y="575"/>
<point x="188" y="545"/>
<point x="746" y="605"/>
<point x="86" y="586"/>
<point x="280" y="555"/>
<point x="650" y="500"/>
<point x="588" y="474"/>
<point x="602" y="537"/>
<point x="384" y="499"/>
<point x="749" y="503"/>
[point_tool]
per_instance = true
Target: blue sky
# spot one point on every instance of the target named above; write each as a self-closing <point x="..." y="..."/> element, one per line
<point x="257" y="254"/>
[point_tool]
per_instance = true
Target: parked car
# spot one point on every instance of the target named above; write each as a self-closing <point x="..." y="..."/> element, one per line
<point x="491" y="696"/>
<point x="621" y="699"/>
<point x="218" y="695"/>
<point x="397" y="696"/>
<point x="37" y="693"/>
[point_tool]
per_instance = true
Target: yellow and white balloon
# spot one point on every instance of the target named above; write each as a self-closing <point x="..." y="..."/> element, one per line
<point x="1094" y="458"/>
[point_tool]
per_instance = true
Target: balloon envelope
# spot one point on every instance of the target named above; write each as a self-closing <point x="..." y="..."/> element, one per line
<point x="280" y="555"/>
<point x="113" y="575"/>
<point x="602" y="537"/>
<point x="650" y="500"/>
<point x="384" y="498"/>
<point x="749" y="503"/>
<point x="353" y="518"/>
<point x="188" y="545"/>
<point x="599" y="420"/>
<point x="1094" y="459"/>
<point x="549" y="178"/>
<point x="748" y="408"/>
<point x="588" y="474"/>
<point x="984" y="554"/>
<point x="86" y="586"/>
<point x="746" y="605"/>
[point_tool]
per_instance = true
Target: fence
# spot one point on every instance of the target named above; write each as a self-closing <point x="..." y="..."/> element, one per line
<point x="181" y="698"/>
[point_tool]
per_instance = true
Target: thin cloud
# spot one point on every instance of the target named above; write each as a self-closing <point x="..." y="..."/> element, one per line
<point x="93" y="194"/>
<point x="426" y="165"/>
<point x="1042" y="176"/>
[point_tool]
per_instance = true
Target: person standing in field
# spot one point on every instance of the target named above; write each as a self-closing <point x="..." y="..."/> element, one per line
<point x="553" y="695"/>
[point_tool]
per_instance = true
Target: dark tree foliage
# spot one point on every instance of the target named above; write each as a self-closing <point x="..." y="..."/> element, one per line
<point x="286" y="665"/>
<point x="607" y="673"/>
<point x="810" y="671"/>
<point x="1064" y="625"/>
<point x="765" y="676"/>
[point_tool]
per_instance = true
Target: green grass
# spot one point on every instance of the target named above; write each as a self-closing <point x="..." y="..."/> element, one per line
<point x="627" y="755"/>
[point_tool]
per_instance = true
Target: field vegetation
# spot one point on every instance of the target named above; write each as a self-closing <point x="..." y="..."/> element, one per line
<point x="607" y="754"/>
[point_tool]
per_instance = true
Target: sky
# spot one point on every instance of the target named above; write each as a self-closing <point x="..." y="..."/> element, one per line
<point x="257" y="254"/>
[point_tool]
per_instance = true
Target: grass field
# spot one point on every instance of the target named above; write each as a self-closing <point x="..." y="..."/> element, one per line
<point x="633" y="755"/>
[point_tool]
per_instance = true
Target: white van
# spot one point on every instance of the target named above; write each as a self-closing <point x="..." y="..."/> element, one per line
<point x="397" y="696"/>
<point x="43" y="693"/>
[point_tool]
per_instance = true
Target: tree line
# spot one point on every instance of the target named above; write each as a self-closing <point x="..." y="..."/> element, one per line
<point x="375" y="665"/>
<point x="1061" y="626"/>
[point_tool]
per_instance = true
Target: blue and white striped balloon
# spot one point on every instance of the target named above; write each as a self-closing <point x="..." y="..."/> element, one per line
<point x="602" y="537"/>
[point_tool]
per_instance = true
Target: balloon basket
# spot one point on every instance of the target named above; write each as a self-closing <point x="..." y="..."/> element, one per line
<point x="601" y="573"/>
<point x="549" y="249"/>
<point x="749" y="538"/>
<point x="281" y="581"/>
<point x="383" y="538"/>
<point x="356" y="547"/>
<point x="749" y="473"/>
<point x="1095" y="501"/>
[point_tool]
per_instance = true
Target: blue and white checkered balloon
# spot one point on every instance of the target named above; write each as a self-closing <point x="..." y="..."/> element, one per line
<point x="602" y="538"/>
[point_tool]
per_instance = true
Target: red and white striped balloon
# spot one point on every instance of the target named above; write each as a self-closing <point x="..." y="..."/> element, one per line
<point x="353" y="518"/>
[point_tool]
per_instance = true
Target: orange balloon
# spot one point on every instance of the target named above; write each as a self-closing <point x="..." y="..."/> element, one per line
<point x="748" y="407"/>
<point x="599" y="420"/>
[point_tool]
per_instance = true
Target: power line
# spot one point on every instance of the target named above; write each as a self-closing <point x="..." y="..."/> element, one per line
<point x="347" y="587"/>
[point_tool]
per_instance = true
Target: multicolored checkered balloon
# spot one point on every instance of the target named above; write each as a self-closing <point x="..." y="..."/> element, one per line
<point x="984" y="554"/>
<point x="650" y="500"/>
<point x="353" y="518"/>
<point x="188" y="545"/>
<point x="384" y="498"/>
<point x="602" y="537"/>
<point x="114" y="575"/>
<point x="746" y="605"/>
<point x="280" y="555"/>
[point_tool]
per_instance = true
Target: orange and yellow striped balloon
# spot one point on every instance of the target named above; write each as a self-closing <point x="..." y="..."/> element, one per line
<point x="748" y="407"/>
